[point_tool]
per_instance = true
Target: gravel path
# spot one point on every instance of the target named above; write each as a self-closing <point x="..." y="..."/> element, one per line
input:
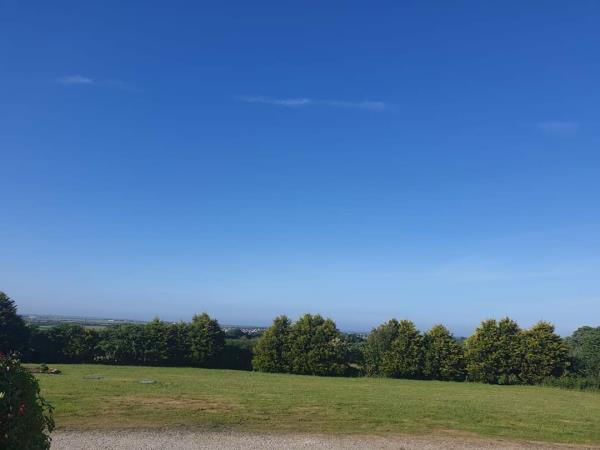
<point x="189" y="440"/>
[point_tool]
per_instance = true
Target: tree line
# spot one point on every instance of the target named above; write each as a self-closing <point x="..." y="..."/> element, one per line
<point x="498" y="352"/>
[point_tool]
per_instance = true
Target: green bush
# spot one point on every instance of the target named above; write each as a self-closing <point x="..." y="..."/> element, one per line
<point x="378" y="343"/>
<point x="493" y="353"/>
<point x="443" y="356"/>
<point x="310" y="346"/>
<point x="584" y="349"/>
<point x="316" y="347"/>
<point x="25" y="417"/>
<point x="544" y="354"/>
<point x="405" y="357"/>
<point x="270" y="351"/>
<point x="236" y="355"/>
<point x="578" y="382"/>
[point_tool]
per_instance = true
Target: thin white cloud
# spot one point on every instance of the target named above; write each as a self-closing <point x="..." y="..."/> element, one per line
<point x="75" y="79"/>
<point x="559" y="128"/>
<point x="289" y="102"/>
<point x="303" y="101"/>
<point x="112" y="83"/>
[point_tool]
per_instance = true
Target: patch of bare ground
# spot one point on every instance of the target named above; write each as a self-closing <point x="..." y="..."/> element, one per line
<point x="210" y="405"/>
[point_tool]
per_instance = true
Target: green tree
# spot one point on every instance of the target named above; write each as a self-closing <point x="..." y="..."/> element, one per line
<point x="70" y="343"/>
<point x="584" y="349"/>
<point x="316" y="347"/>
<point x="378" y="343"/>
<point x="270" y="351"/>
<point x="544" y="353"/>
<point x="494" y="352"/>
<point x="122" y="344"/>
<point x="156" y="339"/>
<point x="14" y="334"/>
<point x="443" y="357"/>
<point x="207" y="340"/>
<point x="178" y="343"/>
<point x="510" y="353"/>
<point x="405" y="357"/>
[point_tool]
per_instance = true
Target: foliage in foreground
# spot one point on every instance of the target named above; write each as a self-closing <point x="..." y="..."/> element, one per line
<point x="25" y="417"/>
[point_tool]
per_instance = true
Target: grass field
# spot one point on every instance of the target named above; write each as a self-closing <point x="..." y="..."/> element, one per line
<point x="216" y="399"/>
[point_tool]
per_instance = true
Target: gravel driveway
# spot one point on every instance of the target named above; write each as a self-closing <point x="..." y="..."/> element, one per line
<point x="189" y="440"/>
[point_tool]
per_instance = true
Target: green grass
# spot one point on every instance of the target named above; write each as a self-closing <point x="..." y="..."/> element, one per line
<point x="199" y="398"/>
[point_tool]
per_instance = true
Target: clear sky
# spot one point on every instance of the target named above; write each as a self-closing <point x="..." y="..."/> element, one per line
<point x="436" y="161"/>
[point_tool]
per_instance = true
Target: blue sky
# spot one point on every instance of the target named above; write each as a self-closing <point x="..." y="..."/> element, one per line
<point x="436" y="161"/>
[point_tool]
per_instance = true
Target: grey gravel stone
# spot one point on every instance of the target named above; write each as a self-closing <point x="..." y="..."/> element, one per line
<point x="197" y="440"/>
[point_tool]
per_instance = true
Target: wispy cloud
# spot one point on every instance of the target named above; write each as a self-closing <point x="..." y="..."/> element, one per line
<point x="75" y="79"/>
<point x="289" y="102"/>
<point x="559" y="128"/>
<point x="111" y="83"/>
<point x="303" y="101"/>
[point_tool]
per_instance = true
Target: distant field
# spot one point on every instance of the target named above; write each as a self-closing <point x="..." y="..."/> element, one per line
<point x="109" y="397"/>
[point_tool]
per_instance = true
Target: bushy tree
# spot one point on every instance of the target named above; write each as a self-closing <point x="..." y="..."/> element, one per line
<point x="378" y="343"/>
<point x="178" y="343"/>
<point x="405" y="357"/>
<point x="156" y="338"/>
<point x="14" y="334"/>
<point x="270" y="350"/>
<point x="236" y="355"/>
<point x="510" y="354"/>
<point x="25" y="417"/>
<point x="584" y="349"/>
<point x="122" y="344"/>
<point x="543" y="354"/>
<point x="493" y="352"/>
<point x="66" y="343"/>
<point x="443" y="357"/>
<point x="207" y="340"/>
<point x="315" y="347"/>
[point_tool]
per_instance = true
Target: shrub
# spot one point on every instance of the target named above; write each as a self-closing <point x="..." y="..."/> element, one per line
<point x="25" y="417"/>
<point x="236" y="355"/>
<point x="269" y="352"/>
<point x="316" y="347"/>
<point x="405" y="357"/>
<point x="582" y="383"/>
<point x="122" y="344"/>
<point x="493" y="352"/>
<point x="207" y="340"/>
<point x="378" y="343"/>
<point x="64" y="343"/>
<point x="443" y="356"/>
<point x="584" y="348"/>
<point x="544" y="354"/>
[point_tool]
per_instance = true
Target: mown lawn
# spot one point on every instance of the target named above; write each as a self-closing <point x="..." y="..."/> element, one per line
<point x="94" y="396"/>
